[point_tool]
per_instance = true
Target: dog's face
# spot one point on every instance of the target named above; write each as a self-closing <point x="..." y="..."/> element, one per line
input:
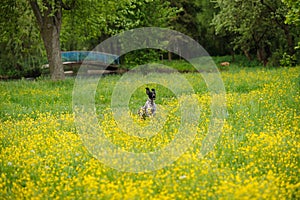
<point x="151" y="94"/>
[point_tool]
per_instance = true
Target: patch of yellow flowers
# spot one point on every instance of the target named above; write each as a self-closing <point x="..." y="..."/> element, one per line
<point x="256" y="157"/>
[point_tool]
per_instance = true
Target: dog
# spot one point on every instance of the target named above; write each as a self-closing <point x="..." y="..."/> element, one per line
<point x="149" y="109"/>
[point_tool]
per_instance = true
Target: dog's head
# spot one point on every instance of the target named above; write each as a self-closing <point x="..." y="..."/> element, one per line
<point x="151" y="94"/>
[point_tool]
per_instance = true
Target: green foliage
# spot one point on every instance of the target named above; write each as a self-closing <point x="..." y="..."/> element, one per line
<point x="21" y="49"/>
<point x="288" y="60"/>
<point x="283" y="59"/>
<point x="144" y="13"/>
<point x="140" y="57"/>
<point x="293" y="15"/>
<point x="274" y="60"/>
<point x="195" y="19"/>
<point x="256" y="27"/>
<point x="90" y="22"/>
<point x="136" y="14"/>
<point x="85" y="24"/>
<point x="263" y="29"/>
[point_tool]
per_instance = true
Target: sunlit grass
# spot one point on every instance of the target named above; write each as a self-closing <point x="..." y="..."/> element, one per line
<point x="256" y="157"/>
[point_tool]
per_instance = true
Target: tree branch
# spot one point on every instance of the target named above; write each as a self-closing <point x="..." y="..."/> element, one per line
<point x="37" y="12"/>
<point x="274" y="11"/>
<point x="67" y="7"/>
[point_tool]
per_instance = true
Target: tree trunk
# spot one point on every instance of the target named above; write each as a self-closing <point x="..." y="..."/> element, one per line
<point x="169" y="56"/>
<point x="290" y="39"/>
<point x="247" y="54"/>
<point x="49" y="22"/>
<point x="50" y="35"/>
<point x="232" y="55"/>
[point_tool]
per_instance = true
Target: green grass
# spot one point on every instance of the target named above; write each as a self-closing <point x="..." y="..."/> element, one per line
<point x="24" y="97"/>
<point x="256" y="157"/>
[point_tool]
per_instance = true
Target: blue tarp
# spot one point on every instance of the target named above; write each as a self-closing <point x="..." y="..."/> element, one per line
<point x="80" y="56"/>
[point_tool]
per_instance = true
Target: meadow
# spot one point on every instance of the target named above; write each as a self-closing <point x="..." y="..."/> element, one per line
<point x="256" y="157"/>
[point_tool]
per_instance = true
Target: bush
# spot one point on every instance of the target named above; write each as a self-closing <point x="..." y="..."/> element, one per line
<point x="288" y="60"/>
<point x="17" y="69"/>
<point x="140" y="57"/>
<point x="274" y="60"/>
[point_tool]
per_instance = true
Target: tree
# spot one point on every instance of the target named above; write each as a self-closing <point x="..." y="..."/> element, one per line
<point x="195" y="19"/>
<point x="48" y="15"/>
<point x="293" y="15"/>
<point x="257" y="25"/>
<point x="85" y="28"/>
<point x="278" y="11"/>
<point x="87" y="24"/>
<point x="34" y="30"/>
<point x="21" y="50"/>
<point x="143" y="13"/>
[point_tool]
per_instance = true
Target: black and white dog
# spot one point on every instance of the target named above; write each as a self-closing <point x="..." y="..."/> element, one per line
<point x="150" y="107"/>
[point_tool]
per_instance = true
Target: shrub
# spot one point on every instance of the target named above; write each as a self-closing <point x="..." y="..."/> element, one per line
<point x="288" y="60"/>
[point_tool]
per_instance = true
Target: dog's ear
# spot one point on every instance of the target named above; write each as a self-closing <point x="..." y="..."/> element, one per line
<point x="147" y="91"/>
<point x="153" y="94"/>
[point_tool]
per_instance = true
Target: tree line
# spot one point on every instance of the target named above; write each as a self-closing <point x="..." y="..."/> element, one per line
<point x="33" y="32"/>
